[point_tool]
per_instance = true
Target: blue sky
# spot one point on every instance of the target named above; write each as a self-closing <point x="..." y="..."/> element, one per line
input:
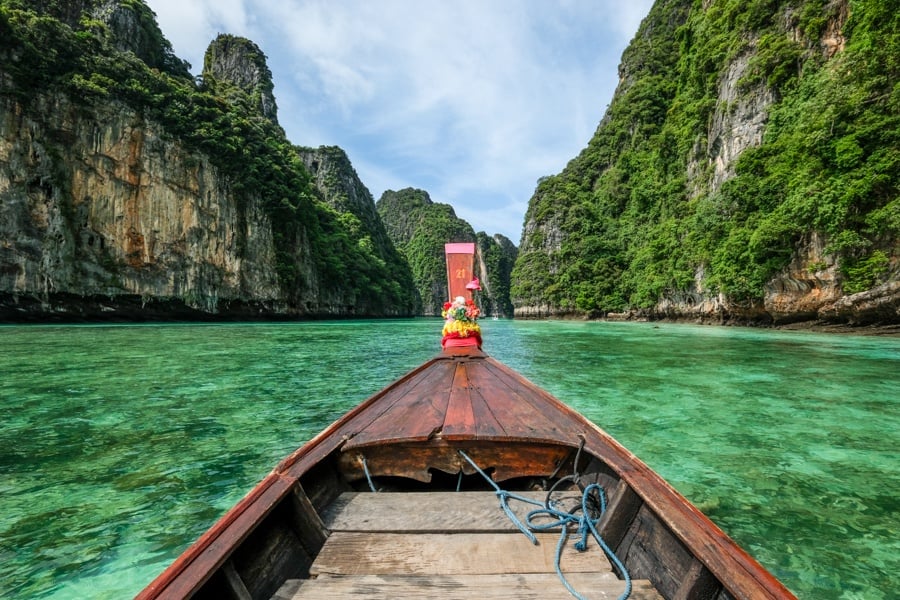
<point x="470" y="100"/>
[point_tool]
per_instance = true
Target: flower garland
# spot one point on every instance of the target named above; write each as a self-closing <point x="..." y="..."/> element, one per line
<point x="461" y="318"/>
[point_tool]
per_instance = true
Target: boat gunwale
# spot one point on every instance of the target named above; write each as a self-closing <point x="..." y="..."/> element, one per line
<point x="735" y="569"/>
<point x="283" y="472"/>
<point x="643" y="480"/>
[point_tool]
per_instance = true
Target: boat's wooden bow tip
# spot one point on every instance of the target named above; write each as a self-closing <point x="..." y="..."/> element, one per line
<point x="461" y="351"/>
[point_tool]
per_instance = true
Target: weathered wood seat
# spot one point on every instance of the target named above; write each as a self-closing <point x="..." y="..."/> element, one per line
<point x="456" y="545"/>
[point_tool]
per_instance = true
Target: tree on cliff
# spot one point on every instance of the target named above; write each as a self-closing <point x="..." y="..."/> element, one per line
<point x="740" y="134"/>
<point x="420" y="228"/>
<point x="108" y="57"/>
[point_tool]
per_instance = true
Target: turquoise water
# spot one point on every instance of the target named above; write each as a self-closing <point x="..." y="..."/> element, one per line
<point x="119" y="445"/>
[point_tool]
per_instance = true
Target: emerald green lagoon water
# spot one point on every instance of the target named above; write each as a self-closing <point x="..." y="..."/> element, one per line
<point x="120" y="444"/>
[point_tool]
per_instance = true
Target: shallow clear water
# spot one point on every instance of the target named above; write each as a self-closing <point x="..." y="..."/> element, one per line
<point x="119" y="445"/>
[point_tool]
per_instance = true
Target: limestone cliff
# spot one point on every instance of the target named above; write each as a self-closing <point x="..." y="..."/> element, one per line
<point x="495" y="258"/>
<point x="130" y="191"/>
<point x="238" y="62"/>
<point x="420" y="227"/>
<point x="745" y="171"/>
<point x="346" y="195"/>
<point x="103" y="210"/>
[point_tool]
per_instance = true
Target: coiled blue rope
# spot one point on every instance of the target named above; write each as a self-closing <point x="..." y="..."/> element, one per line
<point x="585" y="525"/>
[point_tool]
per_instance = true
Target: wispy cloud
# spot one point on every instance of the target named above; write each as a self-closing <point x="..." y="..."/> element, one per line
<point x="470" y="100"/>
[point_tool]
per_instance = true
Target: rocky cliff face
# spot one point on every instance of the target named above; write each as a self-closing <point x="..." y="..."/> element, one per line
<point x="93" y="214"/>
<point x="420" y="227"/>
<point x="738" y="122"/>
<point x="133" y="28"/>
<point x="238" y="62"/>
<point x="115" y="204"/>
<point x="341" y="189"/>
<point x="716" y="188"/>
<point x="809" y="287"/>
<point x="495" y="258"/>
<point x="807" y="291"/>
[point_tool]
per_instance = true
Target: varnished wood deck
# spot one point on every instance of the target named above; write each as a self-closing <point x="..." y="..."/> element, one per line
<point x="480" y="399"/>
<point x="455" y="545"/>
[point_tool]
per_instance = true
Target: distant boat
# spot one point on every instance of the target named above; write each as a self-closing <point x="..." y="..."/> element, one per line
<point x="424" y="489"/>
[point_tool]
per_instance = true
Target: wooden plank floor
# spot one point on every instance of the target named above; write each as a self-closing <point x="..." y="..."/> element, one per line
<point x="447" y="545"/>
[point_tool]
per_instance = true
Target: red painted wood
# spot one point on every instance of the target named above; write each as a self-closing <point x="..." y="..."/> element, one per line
<point x="498" y="404"/>
<point x="558" y="416"/>
<point x="488" y="426"/>
<point x="459" y="420"/>
<point x="524" y="416"/>
<point x="460" y="261"/>
<point x="416" y="412"/>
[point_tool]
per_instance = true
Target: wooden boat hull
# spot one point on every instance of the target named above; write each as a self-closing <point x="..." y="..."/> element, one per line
<point x="407" y="439"/>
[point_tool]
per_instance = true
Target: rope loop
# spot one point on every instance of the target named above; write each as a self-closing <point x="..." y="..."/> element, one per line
<point x="582" y="518"/>
<point x="504" y="497"/>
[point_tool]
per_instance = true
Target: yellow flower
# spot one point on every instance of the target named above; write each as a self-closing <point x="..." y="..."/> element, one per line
<point x="461" y="328"/>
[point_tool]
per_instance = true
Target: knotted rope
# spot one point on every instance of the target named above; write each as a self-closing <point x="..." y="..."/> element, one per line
<point x="586" y="524"/>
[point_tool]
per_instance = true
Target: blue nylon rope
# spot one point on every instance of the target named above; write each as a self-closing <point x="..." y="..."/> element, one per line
<point x="504" y="497"/>
<point x="368" y="475"/>
<point x="585" y="525"/>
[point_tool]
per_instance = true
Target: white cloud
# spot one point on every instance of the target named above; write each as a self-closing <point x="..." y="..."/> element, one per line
<point x="469" y="100"/>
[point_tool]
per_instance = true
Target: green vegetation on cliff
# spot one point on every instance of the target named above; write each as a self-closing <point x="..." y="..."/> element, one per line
<point x="498" y="256"/>
<point x="352" y="205"/>
<point x="643" y="213"/>
<point x="419" y="229"/>
<point x="56" y="47"/>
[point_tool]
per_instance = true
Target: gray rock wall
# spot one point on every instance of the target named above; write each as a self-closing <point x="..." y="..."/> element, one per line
<point x="108" y="206"/>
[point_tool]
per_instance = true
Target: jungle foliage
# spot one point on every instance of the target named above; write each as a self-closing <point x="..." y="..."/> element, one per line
<point x="56" y="46"/>
<point x="419" y="229"/>
<point x="635" y="218"/>
<point x="498" y="255"/>
<point x="353" y="206"/>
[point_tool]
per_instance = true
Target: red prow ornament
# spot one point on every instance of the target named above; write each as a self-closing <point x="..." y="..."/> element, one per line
<point x="460" y="269"/>
<point x="460" y="312"/>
